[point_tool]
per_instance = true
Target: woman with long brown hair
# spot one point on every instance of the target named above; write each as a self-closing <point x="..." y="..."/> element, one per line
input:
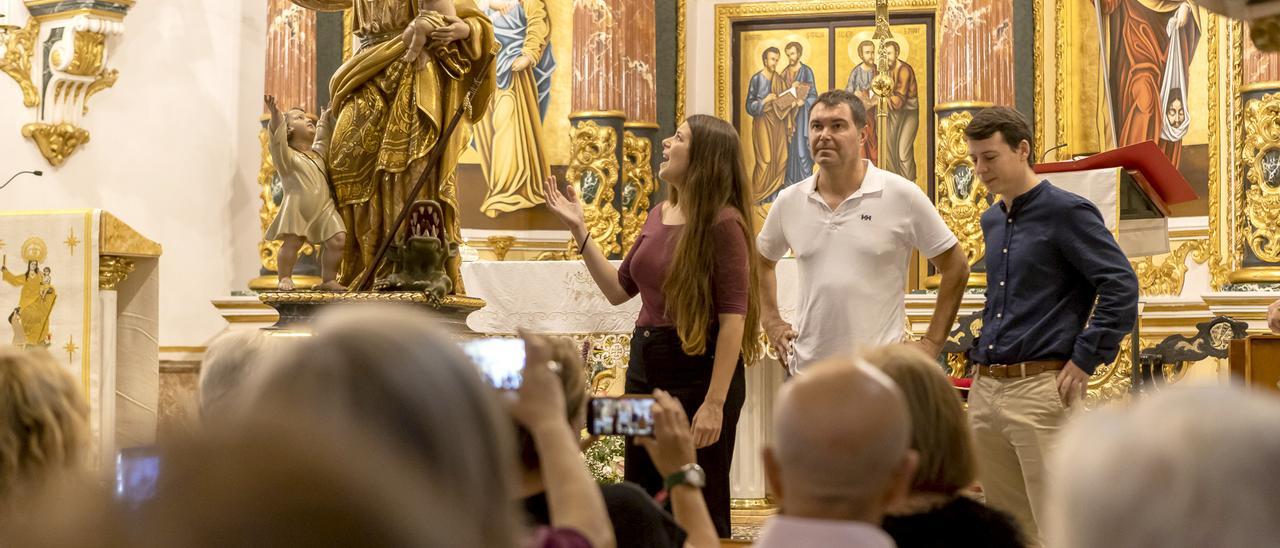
<point x="694" y="267"/>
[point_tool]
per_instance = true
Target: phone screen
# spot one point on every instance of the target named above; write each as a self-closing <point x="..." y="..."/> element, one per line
<point x="624" y="416"/>
<point x="137" y="469"/>
<point x="500" y="360"/>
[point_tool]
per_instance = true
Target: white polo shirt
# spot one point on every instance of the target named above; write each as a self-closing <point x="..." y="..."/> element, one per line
<point x="853" y="261"/>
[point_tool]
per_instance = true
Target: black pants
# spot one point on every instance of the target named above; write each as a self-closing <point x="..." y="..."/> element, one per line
<point x="657" y="361"/>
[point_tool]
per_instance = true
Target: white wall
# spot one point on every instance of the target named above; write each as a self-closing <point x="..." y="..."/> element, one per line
<point x="173" y="151"/>
<point x="700" y="63"/>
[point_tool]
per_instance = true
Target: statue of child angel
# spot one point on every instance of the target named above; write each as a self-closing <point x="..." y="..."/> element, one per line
<point x="298" y="149"/>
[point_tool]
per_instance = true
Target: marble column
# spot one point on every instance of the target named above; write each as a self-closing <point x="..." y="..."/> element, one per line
<point x="598" y="117"/>
<point x="291" y="78"/>
<point x="1257" y="249"/>
<point x="640" y="144"/>
<point x="975" y="71"/>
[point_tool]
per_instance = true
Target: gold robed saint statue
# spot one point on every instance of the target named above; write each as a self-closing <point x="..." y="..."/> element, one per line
<point x="414" y="62"/>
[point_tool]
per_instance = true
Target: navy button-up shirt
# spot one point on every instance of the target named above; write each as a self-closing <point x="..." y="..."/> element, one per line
<point x="1048" y="261"/>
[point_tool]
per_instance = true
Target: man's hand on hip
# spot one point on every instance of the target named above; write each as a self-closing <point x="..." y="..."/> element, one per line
<point x="781" y="337"/>
<point x="1073" y="382"/>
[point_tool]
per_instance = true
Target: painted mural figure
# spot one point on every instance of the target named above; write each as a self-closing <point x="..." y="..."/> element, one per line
<point x="904" y="115"/>
<point x="509" y="138"/>
<point x="1149" y="46"/>
<point x="801" y="83"/>
<point x="860" y="79"/>
<point x="771" y="107"/>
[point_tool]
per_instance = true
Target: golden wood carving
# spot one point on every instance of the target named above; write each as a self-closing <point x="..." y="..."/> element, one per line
<point x="1240" y="221"/>
<point x="104" y="81"/>
<point x="19" y="50"/>
<point x="1037" y="61"/>
<point x="268" y="250"/>
<point x="1167" y="277"/>
<point x="593" y="170"/>
<point x="1060" y="82"/>
<point x="727" y="14"/>
<point x="1261" y="157"/>
<point x="1112" y="381"/>
<point x="55" y="142"/>
<point x="681" y="53"/>
<point x="1218" y="268"/>
<point x="501" y="245"/>
<point x="961" y="195"/>
<point x="639" y="184"/>
<point x="333" y="297"/>
<point x="113" y="270"/>
<point x="88" y="53"/>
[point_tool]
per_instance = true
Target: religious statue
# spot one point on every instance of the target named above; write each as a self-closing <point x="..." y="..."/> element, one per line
<point x="30" y="319"/>
<point x="298" y="150"/>
<point x="392" y="101"/>
<point x="509" y="138"/>
<point x="1148" y="47"/>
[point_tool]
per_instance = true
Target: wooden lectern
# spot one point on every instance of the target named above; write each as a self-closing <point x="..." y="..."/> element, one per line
<point x="1256" y="361"/>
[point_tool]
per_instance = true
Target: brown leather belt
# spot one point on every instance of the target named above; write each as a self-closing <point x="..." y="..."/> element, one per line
<point x="1020" y="370"/>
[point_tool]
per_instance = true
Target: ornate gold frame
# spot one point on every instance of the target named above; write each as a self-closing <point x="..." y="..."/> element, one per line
<point x="1225" y="146"/>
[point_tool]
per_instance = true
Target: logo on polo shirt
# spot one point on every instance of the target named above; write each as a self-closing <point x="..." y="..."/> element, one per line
<point x="866" y="217"/>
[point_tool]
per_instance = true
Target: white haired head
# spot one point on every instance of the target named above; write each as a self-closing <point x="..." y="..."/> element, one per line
<point x="1188" y="467"/>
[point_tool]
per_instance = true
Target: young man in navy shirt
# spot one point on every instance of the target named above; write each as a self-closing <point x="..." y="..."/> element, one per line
<point x="1060" y="298"/>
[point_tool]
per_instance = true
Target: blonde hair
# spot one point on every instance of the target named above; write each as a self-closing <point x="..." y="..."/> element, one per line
<point x="46" y="419"/>
<point x="390" y="371"/>
<point x="940" y="430"/>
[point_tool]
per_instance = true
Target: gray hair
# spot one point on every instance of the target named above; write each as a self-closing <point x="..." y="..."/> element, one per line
<point x="227" y="366"/>
<point x="1189" y="467"/>
<point x="390" y="371"/>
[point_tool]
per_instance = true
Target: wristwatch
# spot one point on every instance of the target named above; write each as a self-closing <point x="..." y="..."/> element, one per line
<point x="690" y="474"/>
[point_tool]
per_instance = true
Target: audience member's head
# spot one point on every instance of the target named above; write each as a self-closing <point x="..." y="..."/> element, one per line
<point x="226" y="368"/>
<point x="390" y="371"/>
<point x="842" y="443"/>
<point x="939" y="428"/>
<point x="279" y="482"/>
<point x="1188" y="467"/>
<point x="573" y="381"/>
<point x="45" y="418"/>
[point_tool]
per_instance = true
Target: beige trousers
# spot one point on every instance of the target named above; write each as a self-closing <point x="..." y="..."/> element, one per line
<point x="1015" y="422"/>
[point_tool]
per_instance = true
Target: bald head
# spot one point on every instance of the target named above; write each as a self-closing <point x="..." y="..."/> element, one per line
<point x="842" y="435"/>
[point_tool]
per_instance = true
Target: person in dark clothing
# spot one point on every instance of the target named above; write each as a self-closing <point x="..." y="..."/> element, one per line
<point x="638" y="521"/>
<point x="936" y="513"/>
<point x="694" y="267"/>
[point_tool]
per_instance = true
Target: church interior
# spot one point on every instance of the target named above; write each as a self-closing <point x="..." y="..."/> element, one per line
<point x="188" y="171"/>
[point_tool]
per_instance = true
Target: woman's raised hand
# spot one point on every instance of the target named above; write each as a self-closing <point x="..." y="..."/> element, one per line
<point x="565" y="206"/>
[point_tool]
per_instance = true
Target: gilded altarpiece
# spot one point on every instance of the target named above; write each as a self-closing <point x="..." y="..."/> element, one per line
<point x="58" y="54"/>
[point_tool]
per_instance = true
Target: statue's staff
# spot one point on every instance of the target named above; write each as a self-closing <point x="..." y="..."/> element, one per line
<point x="366" y="280"/>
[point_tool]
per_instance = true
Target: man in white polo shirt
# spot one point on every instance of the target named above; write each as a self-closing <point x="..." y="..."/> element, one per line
<point x="852" y="228"/>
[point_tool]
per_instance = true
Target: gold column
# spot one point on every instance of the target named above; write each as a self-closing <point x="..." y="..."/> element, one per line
<point x="640" y="138"/>
<point x="597" y="118"/>
<point x="1257" y="214"/>
<point x="291" y="78"/>
<point x="975" y="71"/>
